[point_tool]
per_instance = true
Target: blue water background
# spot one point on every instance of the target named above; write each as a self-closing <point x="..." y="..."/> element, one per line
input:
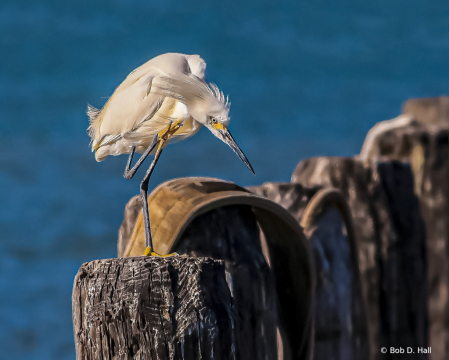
<point x="305" y="78"/>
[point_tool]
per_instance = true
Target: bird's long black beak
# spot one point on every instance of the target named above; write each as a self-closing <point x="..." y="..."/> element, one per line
<point x="228" y="139"/>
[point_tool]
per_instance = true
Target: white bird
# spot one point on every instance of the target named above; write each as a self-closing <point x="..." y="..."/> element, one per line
<point x="164" y="100"/>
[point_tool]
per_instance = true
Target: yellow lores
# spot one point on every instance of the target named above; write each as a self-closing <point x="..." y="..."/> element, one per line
<point x="217" y="125"/>
<point x="164" y="100"/>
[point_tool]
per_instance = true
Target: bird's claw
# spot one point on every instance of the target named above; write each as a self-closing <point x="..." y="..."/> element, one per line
<point x="149" y="252"/>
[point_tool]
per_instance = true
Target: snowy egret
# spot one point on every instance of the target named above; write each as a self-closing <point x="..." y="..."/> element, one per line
<point x="164" y="100"/>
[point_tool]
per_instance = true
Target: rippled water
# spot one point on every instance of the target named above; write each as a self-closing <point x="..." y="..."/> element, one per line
<point x="305" y="78"/>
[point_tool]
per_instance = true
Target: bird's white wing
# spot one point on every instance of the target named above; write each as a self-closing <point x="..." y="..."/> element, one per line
<point x="146" y="96"/>
<point x="131" y="103"/>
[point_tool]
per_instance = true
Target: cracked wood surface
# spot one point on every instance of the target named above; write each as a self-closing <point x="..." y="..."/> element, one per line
<point x="152" y="308"/>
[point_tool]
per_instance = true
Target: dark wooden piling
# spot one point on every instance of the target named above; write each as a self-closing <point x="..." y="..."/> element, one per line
<point x="231" y="233"/>
<point x="153" y="308"/>
<point x="340" y="317"/>
<point x="340" y="322"/>
<point x="391" y="244"/>
<point x="423" y="142"/>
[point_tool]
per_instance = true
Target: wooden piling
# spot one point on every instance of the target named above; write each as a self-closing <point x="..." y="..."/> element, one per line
<point x="424" y="144"/>
<point x="391" y="244"/>
<point x="340" y="320"/>
<point x="153" y="308"/>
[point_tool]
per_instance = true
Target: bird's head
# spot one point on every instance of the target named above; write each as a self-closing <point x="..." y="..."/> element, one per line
<point x="217" y="123"/>
<point x="206" y="104"/>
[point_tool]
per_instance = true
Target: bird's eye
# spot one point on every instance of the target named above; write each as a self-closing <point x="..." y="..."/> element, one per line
<point x="214" y="121"/>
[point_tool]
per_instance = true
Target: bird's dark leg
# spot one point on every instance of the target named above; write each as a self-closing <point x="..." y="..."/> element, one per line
<point x="129" y="173"/>
<point x="159" y="139"/>
<point x="144" y="196"/>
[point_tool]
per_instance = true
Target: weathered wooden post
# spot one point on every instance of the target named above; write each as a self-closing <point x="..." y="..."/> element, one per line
<point x="340" y="318"/>
<point x="391" y="240"/>
<point x="340" y="322"/>
<point x="252" y="300"/>
<point x="420" y="138"/>
<point x="135" y="308"/>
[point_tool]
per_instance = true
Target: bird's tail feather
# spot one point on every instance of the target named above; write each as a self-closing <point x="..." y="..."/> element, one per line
<point x="92" y="113"/>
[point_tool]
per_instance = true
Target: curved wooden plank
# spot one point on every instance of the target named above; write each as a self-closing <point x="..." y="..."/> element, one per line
<point x="328" y="224"/>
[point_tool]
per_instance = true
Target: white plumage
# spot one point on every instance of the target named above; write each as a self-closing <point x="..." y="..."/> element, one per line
<point x="167" y="88"/>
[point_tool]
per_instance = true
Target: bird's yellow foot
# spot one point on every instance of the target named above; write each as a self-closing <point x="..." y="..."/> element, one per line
<point x="149" y="252"/>
<point x="170" y="130"/>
